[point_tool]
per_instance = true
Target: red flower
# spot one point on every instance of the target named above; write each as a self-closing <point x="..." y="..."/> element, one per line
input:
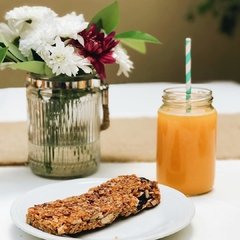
<point x="98" y="48"/>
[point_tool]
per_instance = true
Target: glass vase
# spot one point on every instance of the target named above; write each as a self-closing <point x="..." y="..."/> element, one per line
<point x="64" y="124"/>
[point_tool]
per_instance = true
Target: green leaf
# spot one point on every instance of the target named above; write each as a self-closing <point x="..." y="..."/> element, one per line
<point x="137" y="35"/>
<point x="48" y="71"/>
<point x="137" y="45"/>
<point x="16" y="52"/>
<point x="31" y="66"/>
<point x="12" y="48"/>
<point x="107" y="18"/>
<point x="3" y="53"/>
<point x="11" y="57"/>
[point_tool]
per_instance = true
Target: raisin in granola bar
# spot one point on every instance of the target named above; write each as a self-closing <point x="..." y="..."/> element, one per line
<point x="101" y="205"/>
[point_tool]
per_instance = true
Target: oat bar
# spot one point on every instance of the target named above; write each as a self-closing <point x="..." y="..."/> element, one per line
<point x="101" y="205"/>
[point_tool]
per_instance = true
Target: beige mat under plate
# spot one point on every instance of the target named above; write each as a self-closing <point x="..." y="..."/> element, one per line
<point x="126" y="140"/>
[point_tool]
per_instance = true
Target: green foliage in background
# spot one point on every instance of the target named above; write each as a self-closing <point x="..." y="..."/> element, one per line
<point x="226" y="11"/>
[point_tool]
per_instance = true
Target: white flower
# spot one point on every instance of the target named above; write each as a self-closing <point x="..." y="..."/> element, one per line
<point x="38" y="39"/>
<point x="63" y="60"/>
<point x="70" y="25"/>
<point x="7" y="33"/>
<point x="125" y="64"/>
<point x="21" y="18"/>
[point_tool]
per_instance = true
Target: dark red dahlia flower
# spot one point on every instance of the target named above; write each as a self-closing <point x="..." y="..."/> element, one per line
<point x="98" y="48"/>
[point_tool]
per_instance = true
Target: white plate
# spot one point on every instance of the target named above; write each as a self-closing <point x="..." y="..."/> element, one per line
<point x="173" y="213"/>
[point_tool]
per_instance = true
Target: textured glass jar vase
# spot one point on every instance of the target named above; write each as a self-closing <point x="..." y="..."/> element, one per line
<point x="64" y="126"/>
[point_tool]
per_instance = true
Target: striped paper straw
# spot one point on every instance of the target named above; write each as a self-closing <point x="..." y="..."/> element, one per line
<point x="188" y="43"/>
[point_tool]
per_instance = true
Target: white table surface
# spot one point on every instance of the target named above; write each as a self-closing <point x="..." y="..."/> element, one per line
<point x="128" y="100"/>
<point x="217" y="213"/>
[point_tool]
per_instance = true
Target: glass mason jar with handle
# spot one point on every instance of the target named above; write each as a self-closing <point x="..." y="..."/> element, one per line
<point x="64" y="126"/>
<point x="186" y="141"/>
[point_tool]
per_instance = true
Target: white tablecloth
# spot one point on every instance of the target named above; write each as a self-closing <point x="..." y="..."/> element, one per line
<point x="128" y="100"/>
<point x="217" y="213"/>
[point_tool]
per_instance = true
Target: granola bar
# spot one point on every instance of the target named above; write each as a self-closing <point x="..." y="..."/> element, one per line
<point x="101" y="205"/>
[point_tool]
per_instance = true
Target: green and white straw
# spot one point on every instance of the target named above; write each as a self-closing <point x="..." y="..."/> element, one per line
<point x="188" y="45"/>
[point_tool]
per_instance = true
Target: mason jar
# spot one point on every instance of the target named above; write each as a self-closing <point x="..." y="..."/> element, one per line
<point x="186" y="140"/>
<point x="64" y="122"/>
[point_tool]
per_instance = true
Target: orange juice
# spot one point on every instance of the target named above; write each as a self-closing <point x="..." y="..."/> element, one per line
<point x="186" y="142"/>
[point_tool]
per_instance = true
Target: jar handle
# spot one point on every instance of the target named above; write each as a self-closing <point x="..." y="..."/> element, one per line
<point x="105" y="107"/>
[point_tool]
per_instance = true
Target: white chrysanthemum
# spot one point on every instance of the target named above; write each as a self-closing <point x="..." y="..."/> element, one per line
<point x="20" y="18"/>
<point x="63" y="60"/>
<point x="7" y="33"/>
<point x="125" y="64"/>
<point x="70" y="25"/>
<point x="38" y="39"/>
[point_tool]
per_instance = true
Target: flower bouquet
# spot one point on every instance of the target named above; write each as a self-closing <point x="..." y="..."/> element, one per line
<point x="65" y="58"/>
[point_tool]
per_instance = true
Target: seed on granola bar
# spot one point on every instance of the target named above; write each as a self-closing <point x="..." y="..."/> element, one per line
<point x="119" y="197"/>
